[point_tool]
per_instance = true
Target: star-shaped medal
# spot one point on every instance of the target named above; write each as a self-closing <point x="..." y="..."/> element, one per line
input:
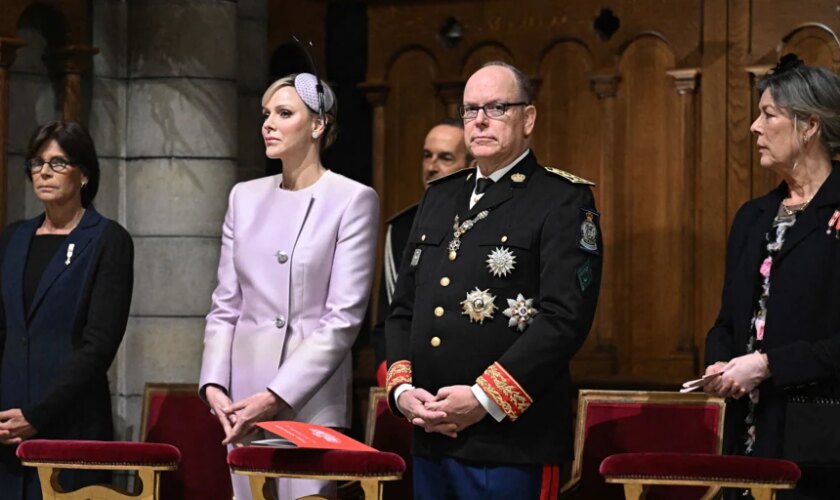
<point x="520" y="311"/>
<point x="500" y="262"/>
<point x="479" y="305"/>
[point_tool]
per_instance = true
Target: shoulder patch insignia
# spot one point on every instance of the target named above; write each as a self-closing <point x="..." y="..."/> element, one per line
<point x="574" y="179"/>
<point x="587" y="237"/>
<point x="457" y="173"/>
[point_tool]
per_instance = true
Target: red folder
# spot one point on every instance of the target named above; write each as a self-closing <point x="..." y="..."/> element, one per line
<point x="311" y="436"/>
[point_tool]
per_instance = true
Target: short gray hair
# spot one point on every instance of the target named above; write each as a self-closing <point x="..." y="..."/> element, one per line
<point x="526" y="89"/>
<point x="805" y="91"/>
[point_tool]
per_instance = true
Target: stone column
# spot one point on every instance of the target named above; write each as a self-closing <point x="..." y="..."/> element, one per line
<point x="180" y="163"/>
<point x="33" y="99"/>
<point x="8" y="49"/>
<point x="252" y="76"/>
<point x="71" y="61"/>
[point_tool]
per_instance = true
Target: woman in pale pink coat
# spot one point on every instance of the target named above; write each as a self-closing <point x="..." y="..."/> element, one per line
<point x="294" y="279"/>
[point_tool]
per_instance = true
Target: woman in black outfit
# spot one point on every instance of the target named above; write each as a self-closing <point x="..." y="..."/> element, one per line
<point x="777" y="336"/>
<point x="65" y="280"/>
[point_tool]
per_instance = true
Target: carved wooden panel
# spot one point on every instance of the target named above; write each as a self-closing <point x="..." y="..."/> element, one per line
<point x="568" y="136"/>
<point x="411" y="110"/>
<point x="653" y="100"/>
<point x="649" y="223"/>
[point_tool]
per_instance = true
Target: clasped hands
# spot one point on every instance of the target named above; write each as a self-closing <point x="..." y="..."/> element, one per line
<point x="14" y="428"/>
<point x="740" y="375"/>
<point x="451" y="410"/>
<point x="239" y="419"/>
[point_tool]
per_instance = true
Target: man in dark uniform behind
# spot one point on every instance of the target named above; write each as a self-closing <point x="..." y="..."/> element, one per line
<point x="496" y="292"/>
<point x="444" y="152"/>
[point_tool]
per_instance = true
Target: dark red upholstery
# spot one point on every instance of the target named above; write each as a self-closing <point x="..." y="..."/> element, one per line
<point x="323" y="462"/>
<point x="700" y="466"/>
<point x="394" y="434"/>
<point x="98" y="452"/>
<point x="619" y="427"/>
<point x="177" y="415"/>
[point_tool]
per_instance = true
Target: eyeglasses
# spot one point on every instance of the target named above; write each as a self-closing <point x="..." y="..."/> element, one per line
<point x="491" y="109"/>
<point x="34" y="165"/>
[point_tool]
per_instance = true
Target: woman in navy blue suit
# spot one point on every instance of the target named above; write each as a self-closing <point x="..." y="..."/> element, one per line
<point x="65" y="279"/>
<point x="779" y="325"/>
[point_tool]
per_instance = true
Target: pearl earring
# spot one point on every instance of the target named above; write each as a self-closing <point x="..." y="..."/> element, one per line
<point x="315" y="135"/>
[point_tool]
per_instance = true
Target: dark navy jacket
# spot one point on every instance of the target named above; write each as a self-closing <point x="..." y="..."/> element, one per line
<point x="55" y="358"/>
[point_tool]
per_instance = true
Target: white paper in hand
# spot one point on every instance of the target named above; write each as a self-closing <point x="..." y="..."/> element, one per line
<point x="692" y="385"/>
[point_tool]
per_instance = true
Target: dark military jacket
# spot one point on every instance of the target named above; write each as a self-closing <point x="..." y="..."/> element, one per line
<point x="399" y="228"/>
<point x="543" y="224"/>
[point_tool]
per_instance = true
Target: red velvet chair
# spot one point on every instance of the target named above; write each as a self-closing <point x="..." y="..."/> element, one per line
<point x="175" y="414"/>
<point x="388" y="432"/>
<point x="262" y="463"/>
<point x="637" y="472"/>
<point x="611" y="422"/>
<point x="50" y="456"/>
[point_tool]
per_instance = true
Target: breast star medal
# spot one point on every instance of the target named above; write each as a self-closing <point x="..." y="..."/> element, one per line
<point x="520" y="311"/>
<point x="500" y="262"/>
<point x="479" y="305"/>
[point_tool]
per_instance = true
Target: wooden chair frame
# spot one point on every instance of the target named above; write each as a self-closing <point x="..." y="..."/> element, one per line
<point x="377" y="394"/>
<point x="148" y="475"/>
<point x="587" y="396"/>
<point x="259" y="479"/>
<point x="636" y="488"/>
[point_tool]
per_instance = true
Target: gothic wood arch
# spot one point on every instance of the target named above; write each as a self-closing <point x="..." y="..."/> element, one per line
<point x="484" y="52"/>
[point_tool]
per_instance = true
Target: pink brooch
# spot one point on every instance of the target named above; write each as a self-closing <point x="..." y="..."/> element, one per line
<point x="834" y="223"/>
<point x="765" y="267"/>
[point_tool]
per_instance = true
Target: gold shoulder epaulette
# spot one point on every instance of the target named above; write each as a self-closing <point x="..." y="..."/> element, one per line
<point x="465" y="170"/>
<point x="569" y="177"/>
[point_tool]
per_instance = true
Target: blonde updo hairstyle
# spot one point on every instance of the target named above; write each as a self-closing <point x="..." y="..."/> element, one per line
<point x="330" y="107"/>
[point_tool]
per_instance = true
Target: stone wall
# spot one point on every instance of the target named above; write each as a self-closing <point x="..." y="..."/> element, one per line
<point x="173" y="104"/>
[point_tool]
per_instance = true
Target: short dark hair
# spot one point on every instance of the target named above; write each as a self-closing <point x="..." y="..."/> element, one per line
<point x="457" y="123"/>
<point x="452" y="122"/>
<point x="805" y="91"/>
<point x="526" y="89"/>
<point x="77" y="144"/>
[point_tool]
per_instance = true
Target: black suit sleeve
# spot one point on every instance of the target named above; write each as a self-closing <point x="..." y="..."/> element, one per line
<point x="102" y="329"/>
<point x="4" y="243"/>
<point x="720" y="339"/>
<point x="398" y="322"/>
<point x="382" y="307"/>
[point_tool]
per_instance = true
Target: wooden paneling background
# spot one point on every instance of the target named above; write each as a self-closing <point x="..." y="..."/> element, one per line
<point x="657" y="114"/>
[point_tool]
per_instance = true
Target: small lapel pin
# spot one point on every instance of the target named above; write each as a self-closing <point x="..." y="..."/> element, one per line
<point x="70" y="249"/>
<point x="518" y="177"/>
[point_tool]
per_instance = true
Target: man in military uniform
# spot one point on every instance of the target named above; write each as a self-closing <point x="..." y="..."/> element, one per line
<point x="496" y="293"/>
<point x="444" y="152"/>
